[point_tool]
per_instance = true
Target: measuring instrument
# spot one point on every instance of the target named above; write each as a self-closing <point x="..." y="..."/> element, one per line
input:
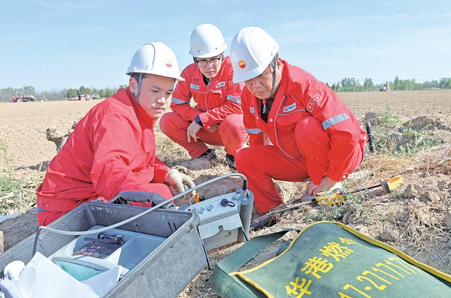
<point x="224" y="219"/>
<point x="387" y="184"/>
<point x="330" y="198"/>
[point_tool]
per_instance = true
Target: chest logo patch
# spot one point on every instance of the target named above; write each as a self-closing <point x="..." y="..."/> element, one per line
<point x="194" y="87"/>
<point x="289" y="108"/>
<point x="252" y="110"/>
<point x="220" y="84"/>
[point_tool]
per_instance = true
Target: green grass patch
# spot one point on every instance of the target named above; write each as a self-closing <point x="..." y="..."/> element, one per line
<point x="395" y="139"/>
<point x="10" y="187"/>
<point x="352" y="203"/>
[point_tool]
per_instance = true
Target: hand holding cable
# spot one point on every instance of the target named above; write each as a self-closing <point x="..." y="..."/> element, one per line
<point x="177" y="181"/>
<point x="326" y="182"/>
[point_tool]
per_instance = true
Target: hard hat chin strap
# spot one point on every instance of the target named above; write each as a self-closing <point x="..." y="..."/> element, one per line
<point x="274" y="75"/>
<point x="273" y="64"/>
<point x="139" y="87"/>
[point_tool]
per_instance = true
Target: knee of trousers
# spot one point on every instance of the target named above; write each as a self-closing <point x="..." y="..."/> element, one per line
<point x="310" y="136"/>
<point x="233" y="126"/>
<point x="241" y="157"/>
<point x="171" y="121"/>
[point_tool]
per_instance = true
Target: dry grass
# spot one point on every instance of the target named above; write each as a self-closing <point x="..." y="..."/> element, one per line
<point x="415" y="219"/>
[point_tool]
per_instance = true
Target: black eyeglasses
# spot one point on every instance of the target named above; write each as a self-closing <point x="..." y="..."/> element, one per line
<point x="205" y="62"/>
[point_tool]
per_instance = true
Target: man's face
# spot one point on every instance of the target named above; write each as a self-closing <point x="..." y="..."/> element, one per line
<point x="209" y="67"/>
<point x="154" y="95"/>
<point x="261" y="85"/>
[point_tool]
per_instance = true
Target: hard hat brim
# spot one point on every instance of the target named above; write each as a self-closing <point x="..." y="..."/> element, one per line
<point x="208" y="55"/>
<point x="178" y="78"/>
<point x="250" y="74"/>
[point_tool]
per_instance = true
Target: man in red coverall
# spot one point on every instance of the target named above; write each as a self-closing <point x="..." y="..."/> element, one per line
<point x="298" y="127"/>
<point x="112" y="149"/>
<point x="217" y="118"/>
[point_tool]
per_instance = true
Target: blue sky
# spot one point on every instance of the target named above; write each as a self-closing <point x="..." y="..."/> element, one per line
<point x="56" y="44"/>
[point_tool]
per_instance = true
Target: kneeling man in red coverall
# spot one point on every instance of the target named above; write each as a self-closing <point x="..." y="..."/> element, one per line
<point x="216" y="118"/>
<point x="112" y="149"/>
<point x="298" y="127"/>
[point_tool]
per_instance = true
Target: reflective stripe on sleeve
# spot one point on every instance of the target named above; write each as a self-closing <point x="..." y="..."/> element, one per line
<point x="234" y="99"/>
<point x="179" y="101"/>
<point x="253" y="131"/>
<point x="334" y="120"/>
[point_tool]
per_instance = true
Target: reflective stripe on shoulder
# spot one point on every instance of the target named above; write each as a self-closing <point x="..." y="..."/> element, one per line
<point x="253" y="131"/>
<point x="234" y="99"/>
<point x="334" y="120"/>
<point x="179" y="101"/>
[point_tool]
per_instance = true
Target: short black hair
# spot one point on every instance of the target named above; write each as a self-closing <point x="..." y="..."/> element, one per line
<point x="135" y="75"/>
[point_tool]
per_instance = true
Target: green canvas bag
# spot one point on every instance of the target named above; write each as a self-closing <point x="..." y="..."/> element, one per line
<point x="328" y="259"/>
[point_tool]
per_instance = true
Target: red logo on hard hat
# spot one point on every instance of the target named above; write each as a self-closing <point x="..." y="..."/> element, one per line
<point x="168" y="63"/>
<point x="242" y="64"/>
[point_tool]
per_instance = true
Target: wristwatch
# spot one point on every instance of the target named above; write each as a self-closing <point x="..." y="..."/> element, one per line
<point x="198" y="121"/>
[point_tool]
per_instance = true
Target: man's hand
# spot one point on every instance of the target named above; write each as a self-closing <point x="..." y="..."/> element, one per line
<point x="313" y="189"/>
<point x="192" y="130"/>
<point x="178" y="181"/>
<point x="214" y="128"/>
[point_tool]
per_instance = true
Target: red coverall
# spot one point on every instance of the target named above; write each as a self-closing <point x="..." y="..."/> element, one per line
<point x="112" y="149"/>
<point x="217" y="103"/>
<point x="309" y="133"/>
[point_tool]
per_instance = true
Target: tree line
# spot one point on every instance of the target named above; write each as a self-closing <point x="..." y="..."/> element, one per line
<point x="354" y="85"/>
<point x="345" y="85"/>
<point x="64" y="94"/>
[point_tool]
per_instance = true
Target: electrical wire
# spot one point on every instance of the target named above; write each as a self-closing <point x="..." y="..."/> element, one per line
<point x="100" y="230"/>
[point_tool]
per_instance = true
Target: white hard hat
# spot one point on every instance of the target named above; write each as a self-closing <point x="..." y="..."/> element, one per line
<point x="251" y="51"/>
<point x="155" y="58"/>
<point x="206" y="41"/>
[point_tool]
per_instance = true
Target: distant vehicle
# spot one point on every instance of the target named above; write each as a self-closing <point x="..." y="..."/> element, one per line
<point x="23" y="98"/>
<point x="385" y="87"/>
<point x="85" y="97"/>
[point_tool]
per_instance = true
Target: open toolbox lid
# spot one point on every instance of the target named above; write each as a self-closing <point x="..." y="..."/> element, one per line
<point x="165" y="272"/>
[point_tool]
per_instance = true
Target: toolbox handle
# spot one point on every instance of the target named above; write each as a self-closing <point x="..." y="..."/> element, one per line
<point x="136" y="196"/>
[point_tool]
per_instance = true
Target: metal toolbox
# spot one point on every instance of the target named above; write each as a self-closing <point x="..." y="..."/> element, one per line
<point x="164" y="272"/>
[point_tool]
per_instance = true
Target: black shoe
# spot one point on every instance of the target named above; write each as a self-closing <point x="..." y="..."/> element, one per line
<point x="210" y="155"/>
<point x="230" y="160"/>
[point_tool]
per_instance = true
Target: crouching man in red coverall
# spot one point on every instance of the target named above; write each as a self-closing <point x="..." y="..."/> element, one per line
<point x="298" y="127"/>
<point x="112" y="149"/>
<point x="217" y="118"/>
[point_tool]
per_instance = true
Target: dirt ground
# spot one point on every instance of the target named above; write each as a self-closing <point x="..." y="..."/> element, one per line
<point x="23" y="125"/>
<point x="417" y="222"/>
